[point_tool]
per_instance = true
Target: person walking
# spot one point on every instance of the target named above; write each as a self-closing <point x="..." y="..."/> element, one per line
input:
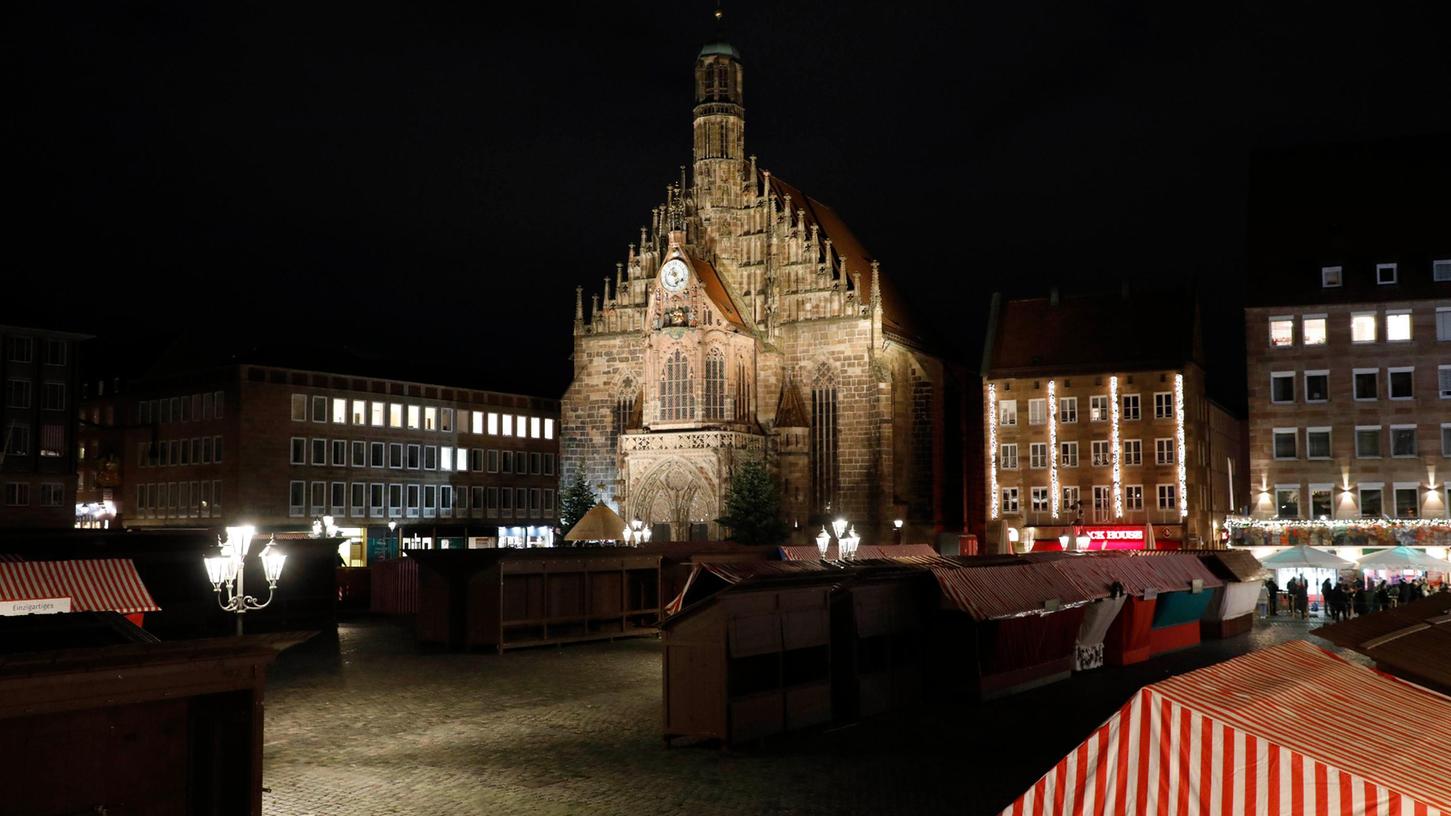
<point x="1302" y="598"/>
<point x="1274" y="590"/>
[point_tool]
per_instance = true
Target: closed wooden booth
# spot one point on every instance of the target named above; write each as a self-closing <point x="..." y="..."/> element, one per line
<point x="750" y="661"/>
<point x="879" y="630"/>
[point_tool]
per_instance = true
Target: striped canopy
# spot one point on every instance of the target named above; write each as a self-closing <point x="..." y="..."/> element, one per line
<point x="98" y="585"/>
<point x="1288" y="730"/>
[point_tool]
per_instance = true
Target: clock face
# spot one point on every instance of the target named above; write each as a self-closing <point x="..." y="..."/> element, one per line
<point x="673" y="275"/>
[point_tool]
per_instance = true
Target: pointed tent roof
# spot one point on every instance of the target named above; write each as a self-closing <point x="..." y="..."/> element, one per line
<point x="1302" y="556"/>
<point x="599" y="524"/>
<point x="1403" y="558"/>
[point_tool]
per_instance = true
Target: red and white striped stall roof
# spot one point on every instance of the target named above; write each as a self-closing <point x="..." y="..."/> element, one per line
<point x="99" y="585"/>
<point x="1290" y="731"/>
<point x="992" y="593"/>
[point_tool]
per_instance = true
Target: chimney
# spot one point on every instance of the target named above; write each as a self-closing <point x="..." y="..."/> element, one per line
<point x="1053" y="296"/>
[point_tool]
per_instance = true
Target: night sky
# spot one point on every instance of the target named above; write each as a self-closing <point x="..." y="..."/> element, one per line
<point x="435" y="179"/>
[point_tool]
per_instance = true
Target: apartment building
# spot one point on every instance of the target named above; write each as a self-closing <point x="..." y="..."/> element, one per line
<point x="37" y="427"/>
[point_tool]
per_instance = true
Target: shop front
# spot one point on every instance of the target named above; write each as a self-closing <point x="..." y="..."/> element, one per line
<point x="1108" y="537"/>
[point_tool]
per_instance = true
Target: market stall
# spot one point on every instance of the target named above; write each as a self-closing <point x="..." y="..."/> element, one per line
<point x="1314" y="565"/>
<point x="1399" y="563"/>
<point x="1233" y="739"/>
<point x="1161" y="595"/>
<point x="1231" y="608"/>
<point x="86" y="585"/>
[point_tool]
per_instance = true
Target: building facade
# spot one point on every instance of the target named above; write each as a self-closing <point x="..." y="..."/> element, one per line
<point x="1350" y="392"/>
<point x="1095" y="426"/>
<point x="748" y="321"/>
<point x="38" y="427"/>
<point x="280" y="448"/>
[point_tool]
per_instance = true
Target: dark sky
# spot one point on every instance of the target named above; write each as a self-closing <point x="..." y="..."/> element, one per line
<point x="434" y="179"/>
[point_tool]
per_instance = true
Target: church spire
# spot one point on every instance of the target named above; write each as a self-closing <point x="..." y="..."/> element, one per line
<point x="720" y="126"/>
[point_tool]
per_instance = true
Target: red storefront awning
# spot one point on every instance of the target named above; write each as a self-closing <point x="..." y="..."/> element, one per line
<point x="1103" y="537"/>
<point x="99" y="585"/>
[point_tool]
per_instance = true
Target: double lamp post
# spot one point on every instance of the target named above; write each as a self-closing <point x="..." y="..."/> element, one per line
<point x="229" y="568"/>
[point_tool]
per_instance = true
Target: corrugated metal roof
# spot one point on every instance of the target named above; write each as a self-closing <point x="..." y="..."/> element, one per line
<point x="1164" y="572"/>
<point x="990" y="593"/>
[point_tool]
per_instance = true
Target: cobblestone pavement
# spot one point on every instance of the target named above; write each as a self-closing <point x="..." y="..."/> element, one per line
<point x="366" y="724"/>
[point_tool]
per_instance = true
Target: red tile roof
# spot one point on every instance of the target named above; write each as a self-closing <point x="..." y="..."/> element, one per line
<point x="1091" y="334"/>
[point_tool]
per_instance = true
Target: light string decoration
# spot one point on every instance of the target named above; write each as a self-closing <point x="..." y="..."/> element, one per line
<point x="1179" y="439"/>
<point x="1053" y="494"/>
<point x="992" y="449"/>
<point x="1113" y="441"/>
<point x="1243" y="523"/>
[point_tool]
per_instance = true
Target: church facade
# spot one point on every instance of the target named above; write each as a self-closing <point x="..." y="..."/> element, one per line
<point x="749" y="323"/>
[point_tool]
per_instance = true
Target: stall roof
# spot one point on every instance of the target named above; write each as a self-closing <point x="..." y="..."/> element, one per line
<point x="1231" y="565"/>
<point x="1413" y="640"/>
<point x="811" y="553"/>
<point x="94" y="585"/>
<point x="1161" y="572"/>
<point x="1213" y="736"/>
<point x="991" y="593"/>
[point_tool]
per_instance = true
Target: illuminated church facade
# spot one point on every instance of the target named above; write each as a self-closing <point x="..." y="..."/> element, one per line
<point x="748" y="322"/>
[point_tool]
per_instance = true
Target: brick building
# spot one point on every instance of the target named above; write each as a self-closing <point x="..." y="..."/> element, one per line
<point x="280" y="447"/>
<point x="38" y="427"/>
<point x="748" y="321"/>
<point x="1097" y="417"/>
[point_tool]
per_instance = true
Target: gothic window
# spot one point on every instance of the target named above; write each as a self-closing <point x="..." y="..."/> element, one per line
<point x="825" y="468"/>
<point x="743" y="392"/>
<point x="715" y="385"/>
<point x="623" y="409"/>
<point x="676" y="401"/>
<point x="921" y="477"/>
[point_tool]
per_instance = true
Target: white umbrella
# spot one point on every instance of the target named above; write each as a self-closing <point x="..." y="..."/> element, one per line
<point x="1302" y="556"/>
<point x="1399" y="558"/>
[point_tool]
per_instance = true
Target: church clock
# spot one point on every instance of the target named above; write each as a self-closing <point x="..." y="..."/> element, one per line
<point x="673" y="275"/>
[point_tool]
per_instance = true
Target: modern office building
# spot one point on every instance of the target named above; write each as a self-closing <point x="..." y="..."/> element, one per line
<point x="38" y="427"/>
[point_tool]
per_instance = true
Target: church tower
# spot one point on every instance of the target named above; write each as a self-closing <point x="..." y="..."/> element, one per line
<point x="720" y="131"/>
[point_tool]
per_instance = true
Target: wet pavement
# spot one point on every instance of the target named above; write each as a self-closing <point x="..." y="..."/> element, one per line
<point x="367" y="724"/>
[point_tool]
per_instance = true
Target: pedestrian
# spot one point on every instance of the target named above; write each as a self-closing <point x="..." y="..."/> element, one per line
<point x="1302" y="598"/>
<point x="1274" y="590"/>
<point x="1360" y="601"/>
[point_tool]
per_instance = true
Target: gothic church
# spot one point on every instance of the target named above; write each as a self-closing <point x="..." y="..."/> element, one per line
<point x="749" y="322"/>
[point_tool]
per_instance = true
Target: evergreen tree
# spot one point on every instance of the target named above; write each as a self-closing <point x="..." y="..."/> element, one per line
<point x="575" y="499"/>
<point x="753" y="508"/>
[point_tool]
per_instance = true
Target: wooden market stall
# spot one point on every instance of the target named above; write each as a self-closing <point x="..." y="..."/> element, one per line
<point x="1232" y="606"/>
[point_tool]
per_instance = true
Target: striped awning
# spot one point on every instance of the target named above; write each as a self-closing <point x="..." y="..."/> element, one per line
<point x="1030" y="588"/>
<point x="99" y="585"/>
<point x="1244" y="737"/>
<point x="1161" y="572"/>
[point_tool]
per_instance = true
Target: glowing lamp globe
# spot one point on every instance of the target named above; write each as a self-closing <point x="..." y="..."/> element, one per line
<point x="823" y="541"/>
<point x="272" y="561"/>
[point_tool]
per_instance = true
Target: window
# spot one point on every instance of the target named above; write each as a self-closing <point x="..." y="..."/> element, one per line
<point x="549" y="434"/>
<point x="1131" y="408"/>
<point x="1287" y="501"/>
<point x="319" y="451"/>
<point x="1443" y="324"/>
<point x="493" y="424"/>
<point x="430" y="418"/>
<point x="395" y="455"/>
<point x="1007" y="412"/>
<point x="1099" y="452"/>
<point x="1010" y="500"/>
<point x="1038" y="499"/>
<point x="299" y="407"/>
<point x="1133" y="452"/>
<point x="1168" y="498"/>
<point x="1282" y="331"/>
<point x="1282" y="388"/>
<point x="414" y="497"/>
<point x="1038" y="455"/>
<point x="1370" y="501"/>
<point x="1037" y="411"/>
<point x="319" y="409"/>
<point x="1400" y="383"/>
<point x="338" y="499"/>
<point x="1070" y="499"/>
<point x="1320" y="501"/>
<point x="548" y="464"/>
<point x="1134" y="497"/>
<point x="185" y="446"/>
<point x="509" y="418"/>
<point x="548" y="500"/>
<point x="1102" y="504"/>
<point x="1398" y="326"/>
<point x="51" y="493"/>
<point x="1164" y="451"/>
<point x="445" y="500"/>
<point x="1362" y="327"/>
<point x="413" y="457"/>
<point x="445" y="419"/>
<point x="1367" y="441"/>
<point x="395" y="500"/>
<point x="318" y="504"/>
<point x="357" y="499"/>
<point x="17" y="393"/>
<point x="376" y="456"/>
<point x="519" y="427"/>
<point x="1385" y="274"/>
<point x="1441" y="270"/>
<point x="536" y="463"/>
<point x="1407" y="499"/>
<point x="534" y="425"/>
<point x="296" y="498"/>
<point x="430" y="500"/>
<point x="1284" y="443"/>
<point x="1366" y="387"/>
<point x="1312" y="330"/>
<point x="1403" y="440"/>
<point x="1068" y="454"/>
<point x="340" y="453"/>
<point x="360" y="412"/>
<point x="395" y="415"/>
<point x="1446" y="444"/>
<point x="1330" y="276"/>
<point x="430" y="457"/>
<point x="413" y="418"/>
<point x="1317" y="443"/>
<point x="506" y="461"/>
<point x="207" y="450"/>
<point x="1317" y="386"/>
<point x="492" y="501"/>
<point x="1068" y="409"/>
<point x="715" y="387"/>
<point x="1163" y="405"/>
<point x="360" y="454"/>
<point x="340" y="411"/>
<point x="1098" y="408"/>
<point x="299" y="450"/>
<point x="53" y="397"/>
<point x="1009" y="456"/>
<point x="521" y="500"/>
<point x="1443" y="381"/>
<point x="492" y="460"/>
<point x="375" y="414"/>
<point x="218" y="399"/>
<point x="445" y="458"/>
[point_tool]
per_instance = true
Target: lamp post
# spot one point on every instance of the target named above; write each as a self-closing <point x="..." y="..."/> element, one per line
<point x="229" y="568"/>
<point x="848" y="544"/>
<point x="823" y="541"/>
<point x="897" y="531"/>
<point x="393" y="534"/>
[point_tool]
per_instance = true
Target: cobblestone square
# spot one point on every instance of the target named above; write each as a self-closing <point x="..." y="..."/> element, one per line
<point x="368" y="724"/>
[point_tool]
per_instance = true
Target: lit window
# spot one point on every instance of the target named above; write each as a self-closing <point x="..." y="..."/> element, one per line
<point x="1282" y="331"/>
<point x="1330" y="276"/>
<point x="413" y="417"/>
<point x="534" y="427"/>
<point x="1098" y="409"/>
<point x="508" y="424"/>
<point x="1312" y="330"/>
<point x="445" y="458"/>
<point x="340" y="411"/>
<point x="376" y="414"/>
<point x="1362" y="327"/>
<point x="430" y="419"/>
<point x="1037" y="411"/>
<point x="445" y="419"/>
<point x="1385" y="274"/>
<point x="1287" y="502"/>
<point x="548" y="429"/>
<point x="519" y="428"/>
<point x="478" y="422"/>
<point x="1008" y="457"/>
<point x="494" y="424"/>
<point x="395" y="415"/>
<point x="299" y="407"/>
<point x="360" y="412"/>
<point x="1398" y="326"/>
<point x="1007" y="412"/>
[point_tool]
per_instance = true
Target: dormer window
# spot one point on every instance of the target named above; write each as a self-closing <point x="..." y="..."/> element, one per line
<point x="1385" y="274"/>
<point x="1329" y="277"/>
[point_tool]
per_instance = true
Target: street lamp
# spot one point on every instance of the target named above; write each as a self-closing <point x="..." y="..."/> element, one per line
<point x="839" y="526"/>
<point x="637" y="532"/>
<point x="897" y="530"/>
<point x="229" y="568"/>
<point x="848" y="544"/>
<point x="1063" y="542"/>
<point x="392" y="530"/>
<point x="1081" y="542"/>
<point x="823" y="541"/>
